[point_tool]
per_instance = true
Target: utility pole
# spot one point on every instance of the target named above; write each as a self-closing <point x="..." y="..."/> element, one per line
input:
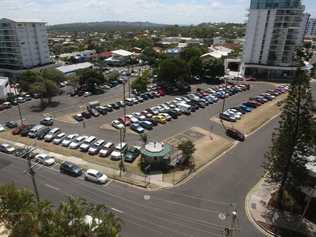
<point x="123" y="131"/>
<point x="31" y="171"/>
<point x="19" y="108"/>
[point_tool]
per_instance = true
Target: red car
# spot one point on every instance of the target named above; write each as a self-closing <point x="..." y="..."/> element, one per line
<point x="17" y="130"/>
<point x="161" y="92"/>
<point x="126" y="121"/>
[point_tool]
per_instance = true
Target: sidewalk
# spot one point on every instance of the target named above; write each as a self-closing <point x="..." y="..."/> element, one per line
<point x="273" y="222"/>
<point x="152" y="181"/>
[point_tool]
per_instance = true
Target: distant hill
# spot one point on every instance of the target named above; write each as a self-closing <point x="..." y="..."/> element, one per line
<point x="104" y="26"/>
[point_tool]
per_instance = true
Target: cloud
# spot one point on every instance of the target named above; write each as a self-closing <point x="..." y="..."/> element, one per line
<point x="160" y="11"/>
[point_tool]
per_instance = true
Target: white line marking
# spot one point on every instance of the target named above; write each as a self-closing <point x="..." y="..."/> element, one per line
<point x="116" y="210"/>
<point x="52" y="187"/>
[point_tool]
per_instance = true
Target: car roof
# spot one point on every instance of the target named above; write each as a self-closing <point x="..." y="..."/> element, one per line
<point x="92" y="171"/>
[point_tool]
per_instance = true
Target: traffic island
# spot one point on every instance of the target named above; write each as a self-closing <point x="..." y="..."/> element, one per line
<point x="253" y="120"/>
<point x="208" y="146"/>
<point x="273" y="222"/>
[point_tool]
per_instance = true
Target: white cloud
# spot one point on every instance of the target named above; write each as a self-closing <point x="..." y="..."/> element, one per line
<point x="185" y="12"/>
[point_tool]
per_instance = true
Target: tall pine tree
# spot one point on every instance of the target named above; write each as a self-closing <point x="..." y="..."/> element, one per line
<point x="292" y="141"/>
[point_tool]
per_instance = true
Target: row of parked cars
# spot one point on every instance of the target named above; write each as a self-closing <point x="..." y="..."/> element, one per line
<point x="161" y="114"/>
<point x="234" y="114"/>
<point x="89" y="144"/>
<point x="19" y="99"/>
<point x="47" y="160"/>
<point x="95" y="109"/>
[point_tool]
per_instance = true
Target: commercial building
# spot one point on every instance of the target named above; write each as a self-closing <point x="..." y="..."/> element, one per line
<point x="70" y="69"/>
<point x="23" y="44"/>
<point x="311" y="28"/>
<point x="119" y="58"/>
<point x="275" y="30"/>
<point x="4" y="87"/>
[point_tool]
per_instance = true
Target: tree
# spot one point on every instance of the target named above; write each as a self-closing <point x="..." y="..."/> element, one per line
<point x="73" y="81"/>
<point x="90" y="79"/>
<point x="75" y="217"/>
<point x="196" y="66"/>
<point x="140" y="84"/>
<point x="292" y="141"/>
<point x="190" y="52"/>
<point x="188" y="148"/>
<point x="173" y="74"/>
<point x="53" y="74"/>
<point x="149" y="55"/>
<point x="213" y="69"/>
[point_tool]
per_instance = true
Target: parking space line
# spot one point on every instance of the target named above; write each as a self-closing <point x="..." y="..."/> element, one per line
<point x="52" y="187"/>
<point x="117" y="210"/>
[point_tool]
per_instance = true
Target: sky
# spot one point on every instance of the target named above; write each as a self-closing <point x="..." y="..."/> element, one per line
<point x="181" y="12"/>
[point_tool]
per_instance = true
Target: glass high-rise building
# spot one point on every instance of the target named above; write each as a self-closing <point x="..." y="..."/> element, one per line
<point x="275" y="30"/>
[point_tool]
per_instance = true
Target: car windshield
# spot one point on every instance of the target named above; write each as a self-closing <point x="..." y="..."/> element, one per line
<point x="99" y="174"/>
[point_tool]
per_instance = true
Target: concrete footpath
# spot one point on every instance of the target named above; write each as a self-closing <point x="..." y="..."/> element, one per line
<point x="272" y="222"/>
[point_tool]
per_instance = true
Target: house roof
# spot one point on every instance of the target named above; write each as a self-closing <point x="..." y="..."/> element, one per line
<point x="122" y="52"/>
<point x="3" y="81"/>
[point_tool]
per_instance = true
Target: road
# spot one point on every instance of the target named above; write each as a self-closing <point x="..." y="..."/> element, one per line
<point x="189" y="210"/>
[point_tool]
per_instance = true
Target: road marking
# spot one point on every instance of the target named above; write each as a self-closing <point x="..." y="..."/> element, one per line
<point x="52" y="187"/>
<point x="108" y="183"/>
<point x="116" y="210"/>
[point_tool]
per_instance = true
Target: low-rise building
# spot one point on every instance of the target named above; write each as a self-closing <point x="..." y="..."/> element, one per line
<point x="4" y="87"/>
<point x="119" y="58"/>
<point x="70" y="69"/>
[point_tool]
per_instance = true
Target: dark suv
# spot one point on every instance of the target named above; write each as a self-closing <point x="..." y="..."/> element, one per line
<point x="70" y="169"/>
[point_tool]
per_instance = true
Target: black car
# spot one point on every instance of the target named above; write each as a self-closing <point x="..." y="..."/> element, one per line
<point x="144" y="96"/>
<point x="116" y="105"/>
<point x="146" y="124"/>
<point x="86" y="114"/>
<point x="154" y="122"/>
<point x="25" y="130"/>
<point x="42" y="133"/>
<point x="70" y="169"/>
<point x="131" y="154"/>
<point x="235" y="134"/>
<point x="172" y="113"/>
<point x="11" y="124"/>
<point x="102" y="110"/>
<point x="109" y="108"/>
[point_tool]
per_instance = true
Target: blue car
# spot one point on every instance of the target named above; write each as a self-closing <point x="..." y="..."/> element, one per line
<point x="245" y="108"/>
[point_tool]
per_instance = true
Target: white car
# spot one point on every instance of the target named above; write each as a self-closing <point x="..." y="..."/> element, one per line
<point x="6" y="148"/>
<point x="57" y="140"/>
<point x="106" y="150"/>
<point x="2" y="128"/>
<point x="236" y="115"/>
<point x="133" y="119"/>
<point x="45" y="159"/>
<point x="116" y="155"/>
<point x="96" y="147"/>
<point x="95" y="176"/>
<point x="67" y="140"/>
<point x="117" y="124"/>
<point x="77" y="142"/>
<point x="87" y="143"/>
<point x="51" y="134"/>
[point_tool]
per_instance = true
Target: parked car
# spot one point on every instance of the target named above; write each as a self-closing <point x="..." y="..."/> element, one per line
<point x="6" y="148"/>
<point x="42" y="133"/>
<point x="51" y="134"/>
<point x="120" y="148"/>
<point x="86" y="114"/>
<point x="117" y="124"/>
<point x="11" y="124"/>
<point x="59" y="137"/>
<point x="96" y="147"/>
<point x="78" y="117"/>
<point x="102" y="110"/>
<point x="95" y="176"/>
<point x="235" y="134"/>
<point x="67" y="140"/>
<point x="47" y="121"/>
<point x="2" y="128"/>
<point x="146" y="124"/>
<point x="131" y="154"/>
<point x="25" y="130"/>
<point x="160" y="119"/>
<point x="34" y="131"/>
<point x="107" y="149"/>
<point x="94" y="113"/>
<point x="77" y="142"/>
<point x="44" y="159"/>
<point x="70" y="169"/>
<point x="137" y="128"/>
<point x="87" y="143"/>
<point x="227" y="117"/>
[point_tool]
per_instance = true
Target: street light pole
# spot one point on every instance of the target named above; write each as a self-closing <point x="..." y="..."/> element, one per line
<point x="19" y="108"/>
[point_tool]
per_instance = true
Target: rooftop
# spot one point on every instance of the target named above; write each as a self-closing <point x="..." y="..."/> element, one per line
<point x="122" y="52"/>
<point x="17" y="20"/>
<point x="74" y="67"/>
